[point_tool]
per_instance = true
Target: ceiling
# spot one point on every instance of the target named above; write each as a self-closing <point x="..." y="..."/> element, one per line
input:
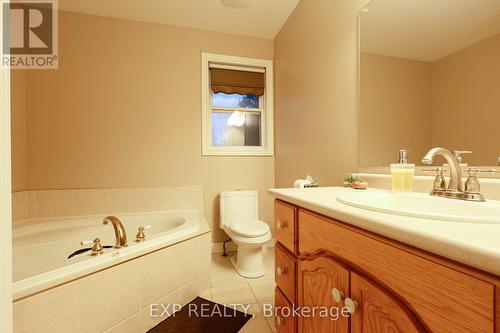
<point x="260" y="18"/>
<point x="427" y="30"/>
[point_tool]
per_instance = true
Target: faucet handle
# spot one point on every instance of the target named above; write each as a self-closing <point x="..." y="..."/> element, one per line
<point x="141" y="236"/>
<point x="458" y="154"/>
<point x="97" y="247"/>
<point x="439" y="181"/>
<point x="86" y="242"/>
<point x="472" y="183"/>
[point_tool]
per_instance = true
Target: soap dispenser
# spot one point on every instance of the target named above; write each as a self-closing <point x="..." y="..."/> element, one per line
<point x="402" y="173"/>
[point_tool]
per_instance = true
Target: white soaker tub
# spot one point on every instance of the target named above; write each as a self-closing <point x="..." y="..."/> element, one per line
<point x="41" y="246"/>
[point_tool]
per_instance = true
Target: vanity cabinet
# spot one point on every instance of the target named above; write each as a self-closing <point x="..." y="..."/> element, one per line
<point x="314" y="278"/>
<point x="373" y="309"/>
<point x="386" y="286"/>
<point x="378" y="310"/>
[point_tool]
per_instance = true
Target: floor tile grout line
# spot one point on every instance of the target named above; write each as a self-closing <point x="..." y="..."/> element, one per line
<point x="237" y="281"/>
<point x="253" y="292"/>
<point x="268" y="321"/>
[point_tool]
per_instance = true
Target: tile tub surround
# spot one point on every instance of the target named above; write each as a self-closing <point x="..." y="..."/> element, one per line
<point x="81" y="202"/>
<point x="118" y="297"/>
<point x="40" y="261"/>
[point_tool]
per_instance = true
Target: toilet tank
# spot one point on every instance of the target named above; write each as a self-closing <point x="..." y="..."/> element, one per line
<point x="237" y="205"/>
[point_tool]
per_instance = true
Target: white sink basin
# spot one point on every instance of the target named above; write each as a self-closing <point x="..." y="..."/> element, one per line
<point x="422" y="205"/>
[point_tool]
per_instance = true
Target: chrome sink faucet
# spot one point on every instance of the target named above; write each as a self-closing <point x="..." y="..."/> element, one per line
<point x="120" y="234"/>
<point x="455" y="184"/>
<point x="455" y="188"/>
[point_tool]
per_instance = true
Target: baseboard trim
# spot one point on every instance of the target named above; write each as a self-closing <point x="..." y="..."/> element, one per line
<point x="230" y="246"/>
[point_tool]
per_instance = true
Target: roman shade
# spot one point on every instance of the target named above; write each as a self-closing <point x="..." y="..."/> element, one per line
<point x="229" y="81"/>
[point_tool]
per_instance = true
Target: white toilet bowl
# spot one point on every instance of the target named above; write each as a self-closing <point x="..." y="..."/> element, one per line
<point x="249" y="261"/>
<point x="239" y="221"/>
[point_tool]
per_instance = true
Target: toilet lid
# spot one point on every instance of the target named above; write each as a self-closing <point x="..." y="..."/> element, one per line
<point x="249" y="228"/>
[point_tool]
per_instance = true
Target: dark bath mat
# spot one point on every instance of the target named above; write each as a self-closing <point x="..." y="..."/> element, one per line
<point x="223" y="320"/>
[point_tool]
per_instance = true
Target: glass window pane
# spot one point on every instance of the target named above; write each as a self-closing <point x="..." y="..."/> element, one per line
<point x="236" y="129"/>
<point x="235" y="100"/>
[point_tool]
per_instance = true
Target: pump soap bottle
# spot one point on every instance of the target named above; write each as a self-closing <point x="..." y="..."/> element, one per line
<point x="402" y="174"/>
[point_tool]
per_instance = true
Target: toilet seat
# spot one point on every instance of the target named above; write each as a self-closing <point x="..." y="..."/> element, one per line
<point x="249" y="228"/>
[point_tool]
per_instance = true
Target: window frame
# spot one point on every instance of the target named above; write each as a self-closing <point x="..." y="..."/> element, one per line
<point x="266" y="107"/>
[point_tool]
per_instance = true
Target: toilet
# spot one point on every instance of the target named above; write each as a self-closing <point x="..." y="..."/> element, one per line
<point x="239" y="219"/>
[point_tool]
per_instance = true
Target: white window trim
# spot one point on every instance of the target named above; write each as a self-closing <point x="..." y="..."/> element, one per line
<point x="267" y="131"/>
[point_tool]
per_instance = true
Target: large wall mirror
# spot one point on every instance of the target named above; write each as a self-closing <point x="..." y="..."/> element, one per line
<point x="429" y="76"/>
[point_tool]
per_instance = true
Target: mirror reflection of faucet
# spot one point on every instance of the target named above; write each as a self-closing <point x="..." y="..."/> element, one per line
<point x="458" y="155"/>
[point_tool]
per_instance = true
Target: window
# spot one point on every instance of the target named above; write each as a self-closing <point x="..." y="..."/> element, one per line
<point x="237" y="105"/>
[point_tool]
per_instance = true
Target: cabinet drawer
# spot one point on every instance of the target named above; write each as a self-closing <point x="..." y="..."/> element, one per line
<point x="284" y="274"/>
<point x="444" y="299"/>
<point x="285" y="223"/>
<point x="283" y="320"/>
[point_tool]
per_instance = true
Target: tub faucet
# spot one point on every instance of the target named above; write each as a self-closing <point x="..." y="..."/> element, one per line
<point x="120" y="234"/>
<point x="455" y="187"/>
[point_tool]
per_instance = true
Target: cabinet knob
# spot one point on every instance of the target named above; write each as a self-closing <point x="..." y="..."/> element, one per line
<point x="280" y="224"/>
<point x="337" y="295"/>
<point x="280" y="271"/>
<point x="351" y="305"/>
<point x="279" y="321"/>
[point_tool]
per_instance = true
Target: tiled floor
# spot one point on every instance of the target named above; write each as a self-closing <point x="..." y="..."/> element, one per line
<point x="228" y="287"/>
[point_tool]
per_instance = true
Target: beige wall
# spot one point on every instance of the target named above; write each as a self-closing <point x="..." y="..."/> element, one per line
<point x="316" y="92"/>
<point x="466" y="101"/>
<point x="18" y="130"/>
<point x="124" y="110"/>
<point x="395" y="109"/>
<point x="452" y="102"/>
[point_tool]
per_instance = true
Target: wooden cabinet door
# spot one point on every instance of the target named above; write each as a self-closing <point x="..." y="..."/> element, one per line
<point x="316" y="281"/>
<point x="444" y="298"/>
<point x="377" y="311"/>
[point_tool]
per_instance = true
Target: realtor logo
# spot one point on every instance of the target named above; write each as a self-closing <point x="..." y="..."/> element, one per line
<point x="30" y="34"/>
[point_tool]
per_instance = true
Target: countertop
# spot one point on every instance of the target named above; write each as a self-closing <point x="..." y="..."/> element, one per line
<point x="473" y="244"/>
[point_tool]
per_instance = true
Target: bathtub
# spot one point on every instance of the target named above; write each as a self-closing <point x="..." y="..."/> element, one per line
<point x="41" y="247"/>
